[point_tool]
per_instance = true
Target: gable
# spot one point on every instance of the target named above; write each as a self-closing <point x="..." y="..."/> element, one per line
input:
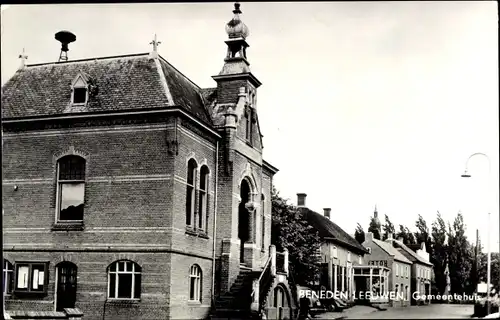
<point x="329" y="230"/>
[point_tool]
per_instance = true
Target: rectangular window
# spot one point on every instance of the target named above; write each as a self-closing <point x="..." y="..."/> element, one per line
<point x="348" y="257"/>
<point x="334" y="252"/>
<point x="31" y="277"/>
<point x="397" y="269"/>
<point x="248" y="125"/>
<point x="79" y="95"/>
<point x="71" y="188"/>
<point x="263" y="227"/>
<point x="202" y="208"/>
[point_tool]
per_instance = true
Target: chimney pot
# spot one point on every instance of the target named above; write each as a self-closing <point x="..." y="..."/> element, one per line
<point x="301" y="199"/>
<point x="327" y="212"/>
<point x="368" y="236"/>
<point x="400" y="239"/>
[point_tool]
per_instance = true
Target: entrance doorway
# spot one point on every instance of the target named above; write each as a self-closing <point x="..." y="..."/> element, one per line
<point x="66" y="285"/>
<point x="243" y="218"/>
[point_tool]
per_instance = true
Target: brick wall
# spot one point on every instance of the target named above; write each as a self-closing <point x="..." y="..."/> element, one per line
<point x="133" y="183"/>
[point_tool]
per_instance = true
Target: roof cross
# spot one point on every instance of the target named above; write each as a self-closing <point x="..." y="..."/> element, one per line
<point x="155" y="44"/>
<point x="23" y="58"/>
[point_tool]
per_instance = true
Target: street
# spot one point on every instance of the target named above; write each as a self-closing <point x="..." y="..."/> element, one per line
<point x="434" y="311"/>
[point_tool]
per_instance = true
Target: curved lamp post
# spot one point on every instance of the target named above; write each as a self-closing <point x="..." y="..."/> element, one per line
<point x="488" y="272"/>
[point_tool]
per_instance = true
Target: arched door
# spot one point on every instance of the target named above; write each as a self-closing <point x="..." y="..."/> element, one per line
<point x="66" y="285"/>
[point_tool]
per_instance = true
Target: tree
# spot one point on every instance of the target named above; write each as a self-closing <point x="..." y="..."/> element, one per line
<point x="411" y="236"/>
<point x="359" y="234"/>
<point x="439" y="255"/>
<point x="374" y="227"/>
<point x="460" y="256"/>
<point x="422" y="234"/>
<point x="291" y="231"/>
<point x="406" y="234"/>
<point x="388" y="228"/>
<point x="495" y="268"/>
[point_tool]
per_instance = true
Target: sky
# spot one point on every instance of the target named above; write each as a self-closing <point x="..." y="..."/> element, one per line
<point x="363" y="104"/>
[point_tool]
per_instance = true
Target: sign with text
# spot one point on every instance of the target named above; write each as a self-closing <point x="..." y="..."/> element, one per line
<point x="382" y="263"/>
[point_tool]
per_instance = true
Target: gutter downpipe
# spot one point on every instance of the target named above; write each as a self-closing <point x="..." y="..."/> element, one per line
<point x="215" y="218"/>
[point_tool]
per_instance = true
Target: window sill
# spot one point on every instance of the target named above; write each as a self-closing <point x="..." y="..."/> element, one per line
<point x="123" y="302"/>
<point x="68" y="226"/>
<point x="197" y="233"/>
<point x="194" y="302"/>
<point x="28" y="294"/>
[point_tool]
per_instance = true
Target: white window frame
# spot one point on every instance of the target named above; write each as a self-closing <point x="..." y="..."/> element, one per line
<point x="195" y="274"/>
<point x="76" y="85"/>
<point x="348" y="256"/>
<point x="360" y="259"/>
<point x="8" y="276"/>
<point x="397" y="269"/>
<point x="335" y="252"/>
<point x="116" y="274"/>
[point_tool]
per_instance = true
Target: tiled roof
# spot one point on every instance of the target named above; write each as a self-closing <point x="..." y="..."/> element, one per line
<point x="387" y="247"/>
<point x="329" y="229"/>
<point x="123" y="83"/>
<point x="413" y="254"/>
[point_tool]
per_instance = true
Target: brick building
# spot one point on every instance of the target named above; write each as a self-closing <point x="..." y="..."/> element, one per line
<point x="339" y="252"/>
<point x="421" y="270"/>
<point x="396" y="282"/>
<point x="131" y="192"/>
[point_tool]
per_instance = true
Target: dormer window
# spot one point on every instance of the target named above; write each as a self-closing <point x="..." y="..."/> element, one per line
<point x="80" y="93"/>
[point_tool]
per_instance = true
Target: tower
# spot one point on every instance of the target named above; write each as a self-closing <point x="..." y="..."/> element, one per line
<point x="235" y="73"/>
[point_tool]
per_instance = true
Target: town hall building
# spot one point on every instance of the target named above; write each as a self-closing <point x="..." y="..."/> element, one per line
<point x="129" y="192"/>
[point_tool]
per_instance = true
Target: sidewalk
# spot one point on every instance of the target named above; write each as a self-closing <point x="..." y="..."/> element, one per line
<point x="353" y="312"/>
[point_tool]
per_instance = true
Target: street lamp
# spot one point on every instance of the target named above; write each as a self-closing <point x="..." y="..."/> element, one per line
<point x="488" y="272"/>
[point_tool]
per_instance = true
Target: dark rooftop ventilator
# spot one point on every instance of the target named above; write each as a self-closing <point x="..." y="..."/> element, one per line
<point x="65" y="37"/>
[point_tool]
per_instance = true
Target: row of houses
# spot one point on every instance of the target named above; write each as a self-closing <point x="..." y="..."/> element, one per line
<point x="387" y="273"/>
<point x="129" y="192"/>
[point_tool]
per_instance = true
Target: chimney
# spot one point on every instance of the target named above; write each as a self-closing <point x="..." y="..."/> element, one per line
<point x="390" y="236"/>
<point x="301" y="200"/>
<point x="327" y="212"/>
<point x="400" y="239"/>
<point x="368" y="236"/>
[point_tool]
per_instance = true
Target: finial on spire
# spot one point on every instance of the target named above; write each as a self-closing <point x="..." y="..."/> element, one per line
<point x="155" y="44"/>
<point x="237" y="8"/>
<point x="375" y="208"/>
<point x="23" y="58"/>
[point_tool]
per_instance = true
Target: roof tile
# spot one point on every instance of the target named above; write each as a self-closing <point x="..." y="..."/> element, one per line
<point x="123" y="83"/>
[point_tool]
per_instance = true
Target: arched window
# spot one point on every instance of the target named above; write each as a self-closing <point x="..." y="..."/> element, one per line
<point x="263" y="218"/>
<point x="195" y="283"/>
<point x="190" y="192"/>
<point x="203" y="198"/>
<point x="71" y="188"/>
<point x="8" y="277"/>
<point x="124" y="280"/>
<point x="279" y="301"/>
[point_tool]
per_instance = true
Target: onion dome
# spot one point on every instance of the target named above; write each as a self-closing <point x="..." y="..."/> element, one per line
<point x="236" y="28"/>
